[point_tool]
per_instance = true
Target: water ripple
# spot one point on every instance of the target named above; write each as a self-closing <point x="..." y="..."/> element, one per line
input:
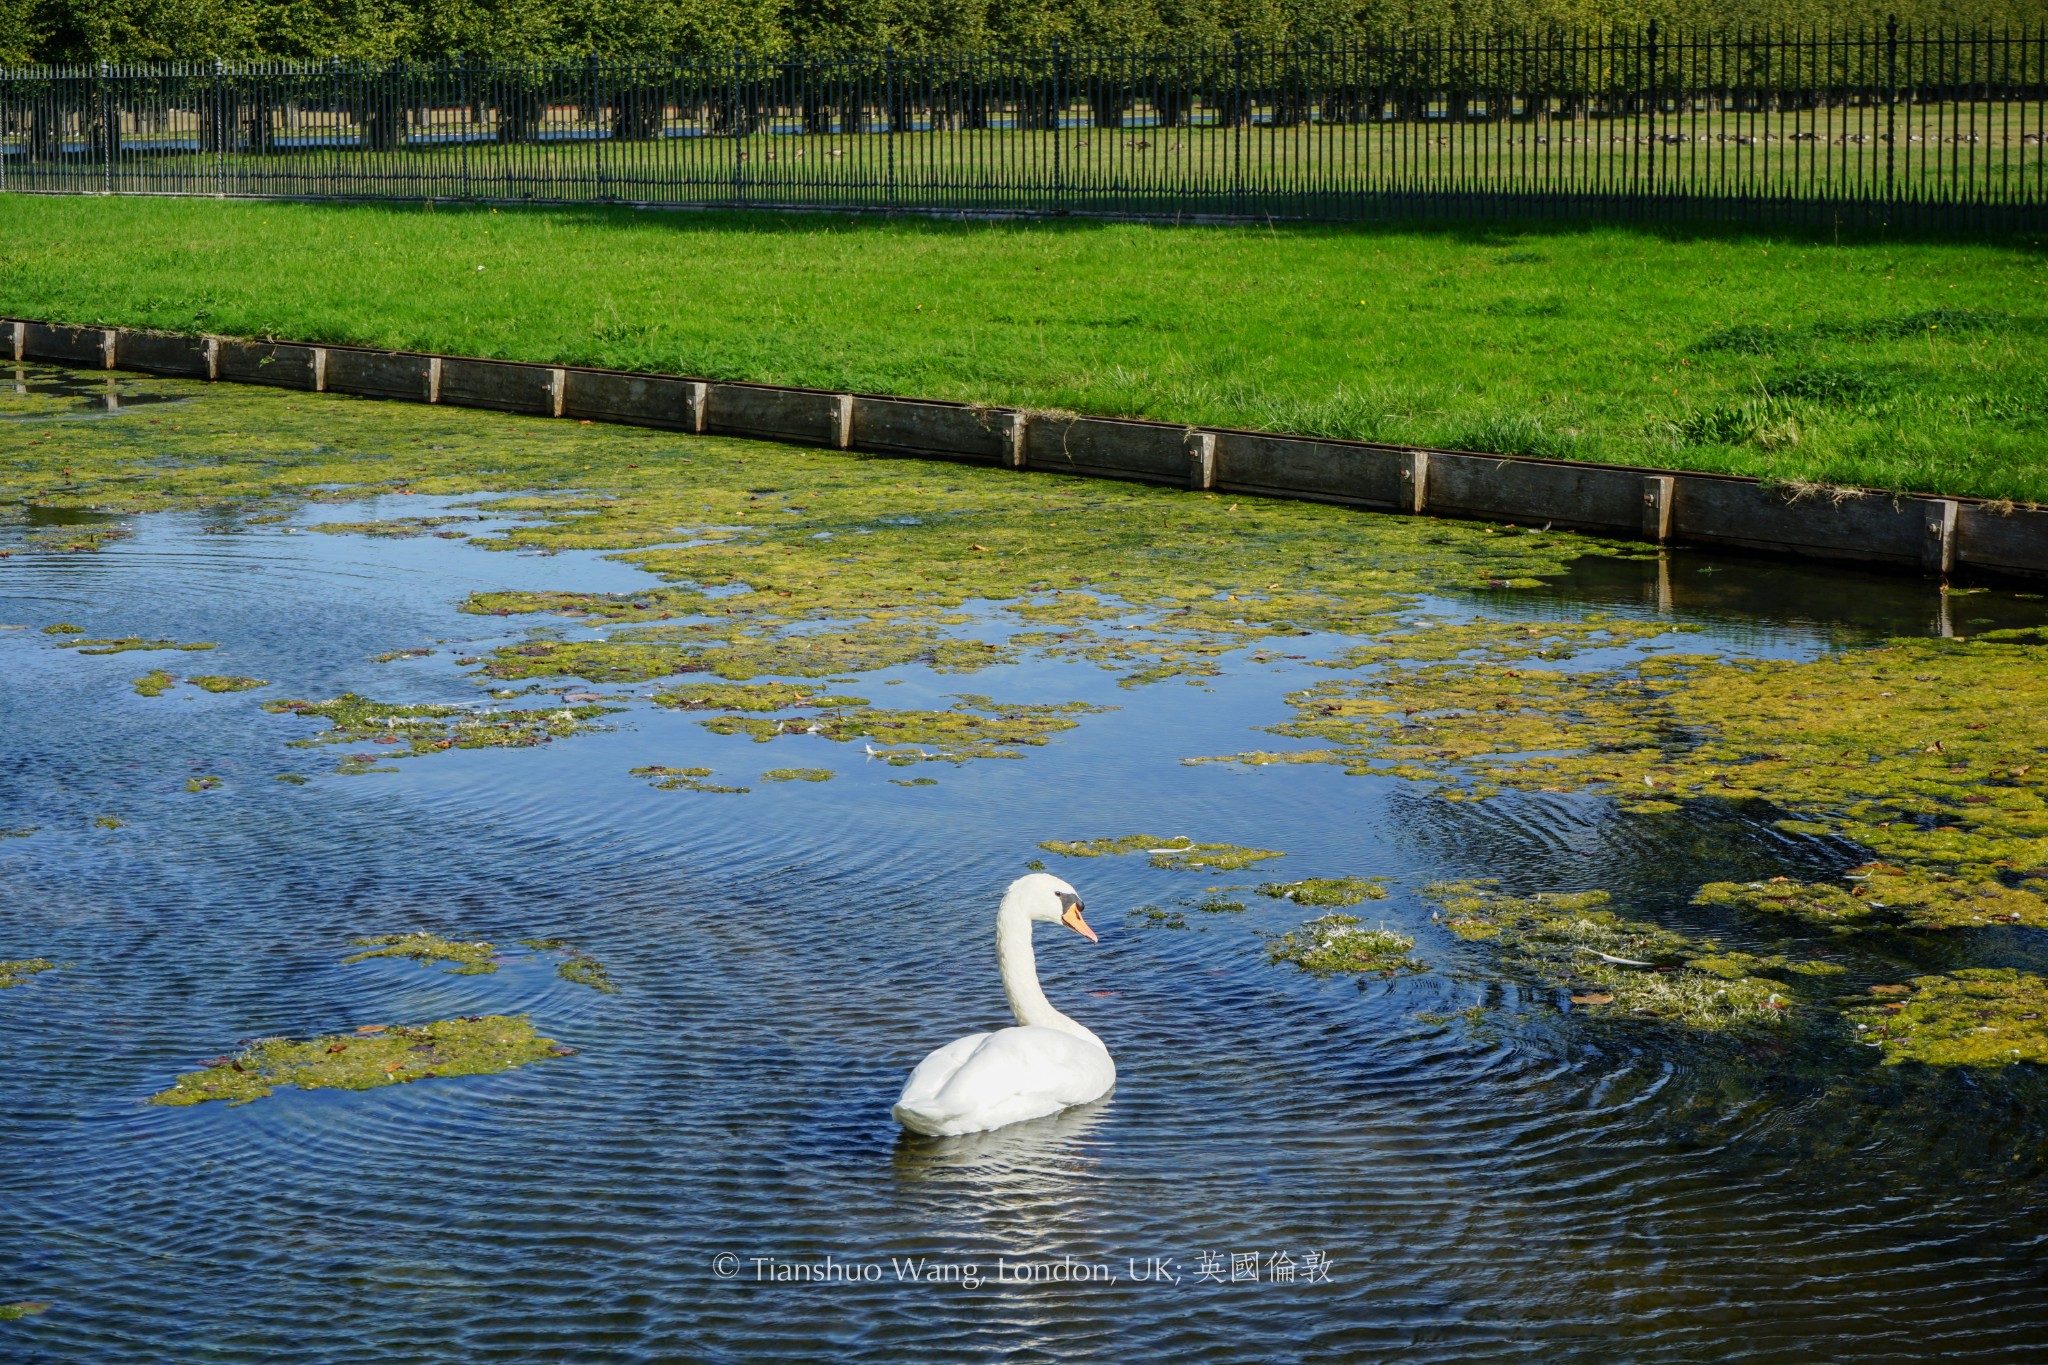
<point x="1503" y="1185"/>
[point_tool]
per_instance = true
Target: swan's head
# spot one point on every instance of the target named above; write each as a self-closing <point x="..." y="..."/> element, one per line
<point x="1045" y="897"/>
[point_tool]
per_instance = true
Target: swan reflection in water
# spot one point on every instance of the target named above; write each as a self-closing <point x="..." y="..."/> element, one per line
<point x="1014" y="1165"/>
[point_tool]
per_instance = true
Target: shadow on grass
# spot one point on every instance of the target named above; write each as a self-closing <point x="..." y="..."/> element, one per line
<point x="1506" y="231"/>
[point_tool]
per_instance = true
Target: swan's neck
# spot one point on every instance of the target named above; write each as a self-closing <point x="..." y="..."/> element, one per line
<point x="1019" y="966"/>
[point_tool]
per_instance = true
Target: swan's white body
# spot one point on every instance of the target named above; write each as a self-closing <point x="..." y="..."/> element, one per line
<point x="1045" y="1064"/>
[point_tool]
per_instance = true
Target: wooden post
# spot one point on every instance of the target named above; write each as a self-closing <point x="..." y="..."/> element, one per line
<point x="1938" y="548"/>
<point x="1658" y="490"/>
<point x="434" y="379"/>
<point x="842" y="421"/>
<point x="1011" y="425"/>
<point x="558" y="385"/>
<point x="1201" y="460"/>
<point x="1414" y="482"/>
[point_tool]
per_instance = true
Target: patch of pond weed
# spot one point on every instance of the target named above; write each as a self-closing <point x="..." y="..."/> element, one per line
<point x="1176" y="852"/>
<point x="373" y="1056"/>
<point x="682" y="779"/>
<point x="21" y="969"/>
<point x="1620" y="968"/>
<point x="576" y="966"/>
<point x="974" y="727"/>
<point x="225" y="682"/>
<point x="127" y="644"/>
<point x="406" y="731"/>
<point x="1331" y="891"/>
<point x="1341" y="944"/>
<point x="470" y="959"/>
<point x="1980" y="1017"/>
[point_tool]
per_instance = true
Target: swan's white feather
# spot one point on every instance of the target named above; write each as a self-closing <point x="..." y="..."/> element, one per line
<point x="990" y="1080"/>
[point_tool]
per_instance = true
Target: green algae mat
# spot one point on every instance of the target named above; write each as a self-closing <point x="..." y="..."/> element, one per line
<point x="781" y="583"/>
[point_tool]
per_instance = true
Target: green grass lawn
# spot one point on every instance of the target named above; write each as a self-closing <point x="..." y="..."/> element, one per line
<point x="1906" y="364"/>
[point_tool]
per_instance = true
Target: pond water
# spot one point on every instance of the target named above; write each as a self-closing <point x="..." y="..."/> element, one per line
<point x="1291" y="1168"/>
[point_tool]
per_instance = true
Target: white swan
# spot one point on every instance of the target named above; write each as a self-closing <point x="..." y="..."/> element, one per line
<point x="1046" y="1064"/>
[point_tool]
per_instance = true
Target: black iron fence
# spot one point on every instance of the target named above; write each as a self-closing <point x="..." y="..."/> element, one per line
<point x="1933" y="127"/>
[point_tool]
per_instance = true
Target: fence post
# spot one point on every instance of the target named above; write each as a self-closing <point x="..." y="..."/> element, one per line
<point x="1240" y="116"/>
<point x="1650" y="102"/>
<point x="468" y="109"/>
<point x="593" y="82"/>
<point x="220" y="134"/>
<point x="889" y="112"/>
<point x="1891" y="111"/>
<point x="732" y="121"/>
<point x="98" y="109"/>
<point x="1055" y="113"/>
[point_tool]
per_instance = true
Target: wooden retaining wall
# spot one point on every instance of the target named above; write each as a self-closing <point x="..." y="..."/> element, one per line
<point x="1929" y="535"/>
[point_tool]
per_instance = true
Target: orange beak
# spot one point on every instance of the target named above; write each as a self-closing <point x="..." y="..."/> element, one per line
<point x="1071" y="917"/>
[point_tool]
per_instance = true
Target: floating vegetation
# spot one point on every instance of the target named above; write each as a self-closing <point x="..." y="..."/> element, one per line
<point x="77" y="539"/>
<point x="653" y="604"/>
<point x="576" y="966"/>
<point x="1927" y="752"/>
<point x="19" y="831"/>
<point x="397" y="527"/>
<point x="63" y="628"/>
<point x="1430" y="640"/>
<point x="774" y="564"/>
<point x="156" y="682"/>
<point x="373" y="1056"/>
<point x="974" y="727"/>
<point x="393" y="655"/>
<point x="751" y="697"/>
<point x="202" y="784"/>
<point x="1619" y="967"/>
<point x="1215" y="904"/>
<point x="1177" y="852"/>
<point x="914" y="781"/>
<point x="108" y="822"/>
<point x="1992" y="1016"/>
<point x="1339" y="943"/>
<point x="798" y="775"/>
<point x="15" y="1312"/>
<point x="225" y="682"/>
<point x="21" y="969"/>
<point x="292" y="779"/>
<point x="1336" y="891"/>
<point x="433" y="728"/>
<point x="730" y="650"/>
<point x="682" y="779"/>
<point x="128" y="643"/>
<point x="1880" y="896"/>
<point x="1152" y="917"/>
<point x="470" y="959"/>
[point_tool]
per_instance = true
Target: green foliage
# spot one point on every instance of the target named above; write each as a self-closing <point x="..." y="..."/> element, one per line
<point x="382" y="30"/>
